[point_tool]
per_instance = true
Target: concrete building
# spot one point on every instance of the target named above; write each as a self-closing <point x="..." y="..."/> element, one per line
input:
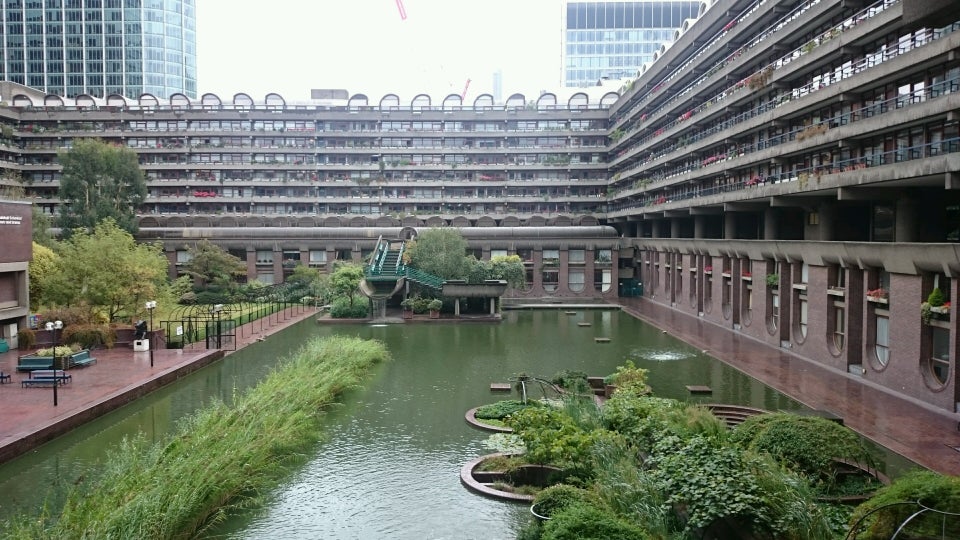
<point x="786" y="169"/>
<point x="16" y="229"/>
<point x="101" y="47"/>
<point x="613" y="39"/>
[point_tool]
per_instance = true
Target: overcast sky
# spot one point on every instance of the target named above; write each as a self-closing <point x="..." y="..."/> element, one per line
<point x="365" y="46"/>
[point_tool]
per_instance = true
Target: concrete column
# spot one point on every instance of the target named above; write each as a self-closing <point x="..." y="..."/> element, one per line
<point x="493" y="305"/>
<point x="699" y="226"/>
<point x="456" y="307"/>
<point x="656" y="229"/>
<point x="771" y="225"/>
<point x="675" y="228"/>
<point x="906" y="220"/>
<point x="172" y="263"/>
<point x="729" y="226"/>
<point x="827" y="214"/>
<point x="251" y="264"/>
<point x="277" y="266"/>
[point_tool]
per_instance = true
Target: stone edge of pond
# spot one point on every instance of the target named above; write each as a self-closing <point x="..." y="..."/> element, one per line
<point x="467" y="479"/>
<point x="471" y="418"/>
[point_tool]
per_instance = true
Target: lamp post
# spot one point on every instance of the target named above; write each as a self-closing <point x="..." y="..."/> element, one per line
<point x="151" y="305"/>
<point x="52" y="327"/>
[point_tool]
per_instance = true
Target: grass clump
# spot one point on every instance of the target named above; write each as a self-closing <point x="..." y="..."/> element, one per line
<point x="222" y="458"/>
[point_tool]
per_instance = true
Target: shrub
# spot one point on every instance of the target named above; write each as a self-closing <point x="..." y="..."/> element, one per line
<point x="503" y="409"/>
<point x="26" y="338"/>
<point x="806" y="444"/>
<point x="574" y="381"/>
<point x="559" y="497"/>
<point x="69" y="316"/>
<point x="90" y="336"/>
<point x="211" y="297"/>
<point x="629" y="378"/>
<point x="936" y="297"/>
<point x="929" y="489"/>
<point x="588" y="522"/>
<point x="62" y="350"/>
<point x="645" y="419"/>
<point x="435" y="304"/>
<point x="341" y="309"/>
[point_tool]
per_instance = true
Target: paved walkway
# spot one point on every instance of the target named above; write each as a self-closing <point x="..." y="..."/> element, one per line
<point x="29" y="419"/>
<point x="922" y="433"/>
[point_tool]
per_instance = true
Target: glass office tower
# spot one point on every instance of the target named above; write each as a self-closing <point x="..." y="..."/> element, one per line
<point x="613" y="39"/>
<point x="101" y="47"/>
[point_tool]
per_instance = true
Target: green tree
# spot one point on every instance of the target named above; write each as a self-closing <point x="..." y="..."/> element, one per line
<point x="508" y="268"/>
<point x="99" y="181"/>
<point x="44" y="261"/>
<point x="346" y="279"/>
<point x="41" y="227"/>
<point x="107" y="270"/>
<point x="441" y="252"/>
<point x="210" y="264"/>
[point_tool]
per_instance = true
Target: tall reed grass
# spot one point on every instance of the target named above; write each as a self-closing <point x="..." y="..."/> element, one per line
<point x="223" y="458"/>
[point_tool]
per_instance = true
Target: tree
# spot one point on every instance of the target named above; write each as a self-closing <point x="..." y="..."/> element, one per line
<point x="508" y="268"/>
<point x="441" y="252"/>
<point x="43" y="263"/>
<point x="107" y="270"/>
<point x="210" y="264"/>
<point x="346" y="279"/>
<point x="100" y="181"/>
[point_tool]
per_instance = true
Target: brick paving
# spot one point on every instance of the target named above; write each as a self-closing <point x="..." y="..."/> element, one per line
<point x="29" y="419"/>
<point x="920" y="432"/>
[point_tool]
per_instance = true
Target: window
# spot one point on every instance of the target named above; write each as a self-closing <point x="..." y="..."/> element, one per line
<point x="265" y="277"/>
<point x="603" y="256"/>
<point x="775" y="311"/>
<point x="802" y="321"/>
<point x="498" y="253"/>
<point x="882" y="346"/>
<point x="183" y="257"/>
<point x="575" y="279"/>
<point x="551" y="279"/>
<point x="265" y="257"/>
<point x="602" y="279"/>
<point x="940" y="354"/>
<point x="804" y="273"/>
<point x="575" y="256"/>
<point x="839" y="323"/>
<point x="318" y="257"/>
<point x="551" y="257"/>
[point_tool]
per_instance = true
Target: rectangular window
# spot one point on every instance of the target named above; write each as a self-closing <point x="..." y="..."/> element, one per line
<point x="575" y="280"/>
<point x="602" y="279"/>
<point x="603" y="256"/>
<point x="318" y="257"/>
<point x="883" y="340"/>
<point x="498" y="253"/>
<point x="940" y="357"/>
<point x="803" y="317"/>
<point x="184" y="257"/>
<point x="576" y="256"/>
<point x="264" y="257"/>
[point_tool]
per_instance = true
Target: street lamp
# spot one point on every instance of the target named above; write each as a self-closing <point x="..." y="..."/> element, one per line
<point x="151" y="305"/>
<point x="52" y="327"/>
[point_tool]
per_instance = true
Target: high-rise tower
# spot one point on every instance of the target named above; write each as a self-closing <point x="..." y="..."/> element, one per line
<point x="613" y="39"/>
<point x="101" y="47"/>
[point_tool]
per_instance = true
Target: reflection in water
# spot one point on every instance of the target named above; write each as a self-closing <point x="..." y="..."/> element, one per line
<point x="390" y="465"/>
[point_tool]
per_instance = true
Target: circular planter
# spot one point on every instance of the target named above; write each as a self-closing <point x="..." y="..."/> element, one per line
<point x="481" y="481"/>
<point x="472" y="419"/>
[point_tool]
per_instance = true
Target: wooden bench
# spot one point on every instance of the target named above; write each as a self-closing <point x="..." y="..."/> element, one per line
<point x="48" y="375"/>
<point x="30" y="363"/>
<point x="80" y="359"/>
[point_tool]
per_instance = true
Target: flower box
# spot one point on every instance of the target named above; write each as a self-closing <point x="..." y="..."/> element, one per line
<point x="877" y="299"/>
<point x="940" y="310"/>
<point x="836" y="291"/>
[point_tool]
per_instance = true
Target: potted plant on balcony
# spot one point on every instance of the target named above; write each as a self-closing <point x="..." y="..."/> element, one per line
<point x="434" y="307"/>
<point x="934" y="305"/>
<point x="878" y="295"/>
<point x="773" y="281"/>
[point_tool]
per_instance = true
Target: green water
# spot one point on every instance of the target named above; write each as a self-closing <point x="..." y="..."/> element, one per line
<point x="390" y="467"/>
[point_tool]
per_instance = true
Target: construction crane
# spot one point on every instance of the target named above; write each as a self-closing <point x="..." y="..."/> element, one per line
<point x="463" y="95"/>
<point x="403" y="11"/>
